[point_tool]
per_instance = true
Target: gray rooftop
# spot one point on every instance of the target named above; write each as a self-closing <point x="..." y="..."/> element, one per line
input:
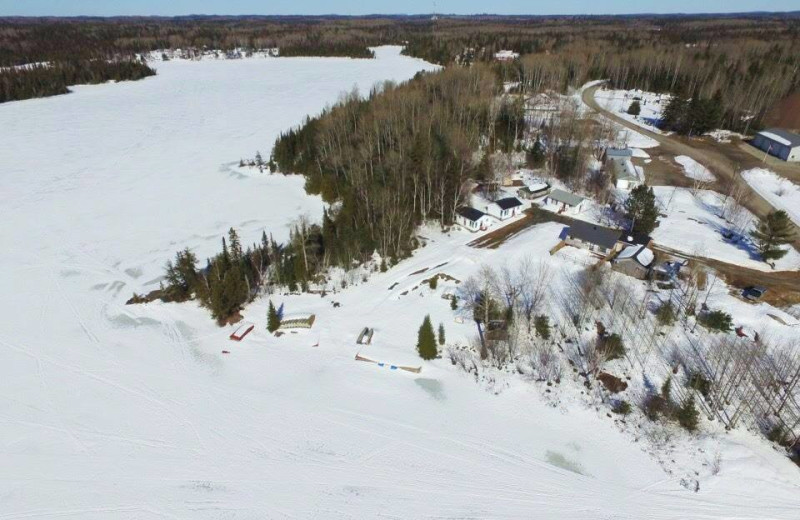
<point x="617" y="152"/>
<point x="793" y="138"/>
<point x="566" y="197"/>
<point x="594" y="234"/>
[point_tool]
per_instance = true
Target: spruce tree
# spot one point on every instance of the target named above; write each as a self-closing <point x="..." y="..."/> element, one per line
<point x="441" y="334"/>
<point x="541" y="324"/>
<point x="640" y="208"/>
<point x="426" y="340"/>
<point x="453" y="302"/>
<point x="666" y="388"/>
<point x="273" y="321"/>
<point x="635" y="109"/>
<point x="773" y="231"/>
<point x="687" y="415"/>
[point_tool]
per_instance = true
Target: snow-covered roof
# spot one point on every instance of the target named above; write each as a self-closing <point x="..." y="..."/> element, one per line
<point x="625" y="170"/>
<point x="781" y="136"/>
<point x="641" y="254"/>
<point x="566" y="197"/>
<point x="504" y="54"/>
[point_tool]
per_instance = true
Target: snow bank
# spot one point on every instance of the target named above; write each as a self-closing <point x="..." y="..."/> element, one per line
<point x="778" y="191"/>
<point x="618" y="101"/>
<point x="695" y="170"/>
<point x="692" y="226"/>
<point x="115" y="411"/>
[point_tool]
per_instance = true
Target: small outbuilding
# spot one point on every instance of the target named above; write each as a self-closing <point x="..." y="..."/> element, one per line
<point x="781" y="143"/>
<point x="506" y="55"/>
<point x="472" y="219"/>
<point x="534" y="191"/>
<point x="561" y="201"/>
<point x="635" y="261"/>
<point x="619" y="165"/>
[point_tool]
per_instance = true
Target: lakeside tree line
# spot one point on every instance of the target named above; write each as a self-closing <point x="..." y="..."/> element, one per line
<point x="52" y="79"/>
<point x="399" y="157"/>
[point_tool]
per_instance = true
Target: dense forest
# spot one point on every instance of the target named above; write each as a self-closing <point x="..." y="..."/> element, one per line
<point x="399" y="157"/>
<point x="751" y="61"/>
<point x="51" y="79"/>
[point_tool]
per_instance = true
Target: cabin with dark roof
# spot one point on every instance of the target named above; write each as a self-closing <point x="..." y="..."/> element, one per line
<point x="504" y="209"/>
<point x="595" y="238"/>
<point x="472" y="219"/>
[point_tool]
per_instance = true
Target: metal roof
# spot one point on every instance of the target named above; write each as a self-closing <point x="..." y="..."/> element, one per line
<point x="566" y="197"/>
<point x="508" y="203"/>
<point x="594" y="234"/>
<point x="790" y="137"/>
<point x="470" y="213"/>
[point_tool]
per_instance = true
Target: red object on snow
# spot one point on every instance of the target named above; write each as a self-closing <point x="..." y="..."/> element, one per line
<point x="740" y="332"/>
<point x="242" y="331"/>
<point x="226" y="352"/>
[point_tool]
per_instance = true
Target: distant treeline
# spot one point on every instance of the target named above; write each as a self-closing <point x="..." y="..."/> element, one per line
<point x="51" y="79"/>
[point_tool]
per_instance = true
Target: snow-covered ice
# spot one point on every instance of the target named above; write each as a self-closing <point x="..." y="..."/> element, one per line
<point x="695" y="170"/>
<point x="778" y="191"/>
<point x="122" y="412"/>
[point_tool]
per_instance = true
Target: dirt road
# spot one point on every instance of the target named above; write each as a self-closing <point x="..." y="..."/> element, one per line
<point x="724" y="161"/>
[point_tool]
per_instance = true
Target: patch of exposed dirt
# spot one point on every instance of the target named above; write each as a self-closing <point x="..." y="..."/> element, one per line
<point x="612" y="383"/>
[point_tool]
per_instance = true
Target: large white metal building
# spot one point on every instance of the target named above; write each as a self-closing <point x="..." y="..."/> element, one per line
<point x="778" y="142"/>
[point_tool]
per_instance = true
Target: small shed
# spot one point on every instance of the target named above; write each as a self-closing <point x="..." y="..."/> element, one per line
<point x="635" y="261"/>
<point x="241" y="331"/>
<point x="561" y="201"/>
<point x="534" y="191"/>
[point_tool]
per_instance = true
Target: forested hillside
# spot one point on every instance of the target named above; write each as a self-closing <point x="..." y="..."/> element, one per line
<point x="397" y="158"/>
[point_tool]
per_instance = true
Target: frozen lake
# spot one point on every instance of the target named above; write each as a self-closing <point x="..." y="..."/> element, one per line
<point x="123" y="412"/>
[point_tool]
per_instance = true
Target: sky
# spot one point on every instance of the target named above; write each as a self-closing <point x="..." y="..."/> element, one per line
<point x="360" y="7"/>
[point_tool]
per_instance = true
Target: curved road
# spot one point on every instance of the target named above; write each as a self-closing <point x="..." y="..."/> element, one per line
<point x="718" y="161"/>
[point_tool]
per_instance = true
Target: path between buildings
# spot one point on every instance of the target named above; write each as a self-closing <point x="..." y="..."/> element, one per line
<point x="783" y="286"/>
<point x="718" y="159"/>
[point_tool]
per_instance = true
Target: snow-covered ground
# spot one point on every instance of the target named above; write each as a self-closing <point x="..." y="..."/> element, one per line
<point x="778" y="191"/>
<point x="692" y="225"/>
<point x="114" y="411"/>
<point x="695" y="170"/>
<point x="618" y="101"/>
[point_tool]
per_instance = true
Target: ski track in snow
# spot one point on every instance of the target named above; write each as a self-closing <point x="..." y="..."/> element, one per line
<point x="123" y="412"/>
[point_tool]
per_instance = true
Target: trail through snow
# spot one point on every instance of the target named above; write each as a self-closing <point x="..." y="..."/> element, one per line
<point x="123" y="412"/>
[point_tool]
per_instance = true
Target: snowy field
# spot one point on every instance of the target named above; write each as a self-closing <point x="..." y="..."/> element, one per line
<point x="132" y="412"/>
<point x="695" y="170"/>
<point x="778" y="191"/>
<point x="692" y="225"/>
<point x="618" y="101"/>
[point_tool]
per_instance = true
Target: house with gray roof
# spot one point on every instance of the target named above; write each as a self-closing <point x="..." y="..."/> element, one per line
<point x="560" y="201"/>
<point x="781" y="143"/>
<point x="595" y="238"/>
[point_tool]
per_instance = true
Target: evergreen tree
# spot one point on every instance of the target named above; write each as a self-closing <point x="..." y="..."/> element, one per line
<point x="666" y="388"/>
<point x="674" y="114"/>
<point x="687" y="414"/>
<point x="541" y="324"/>
<point x="453" y="303"/>
<point x="273" y="321"/>
<point x="635" y="108"/>
<point x="426" y="340"/>
<point x="441" y="334"/>
<point x="772" y="232"/>
<point x="640" y="208"/>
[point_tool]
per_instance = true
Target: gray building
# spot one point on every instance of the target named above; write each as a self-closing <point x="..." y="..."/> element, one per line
<point x="778" y="142"/>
